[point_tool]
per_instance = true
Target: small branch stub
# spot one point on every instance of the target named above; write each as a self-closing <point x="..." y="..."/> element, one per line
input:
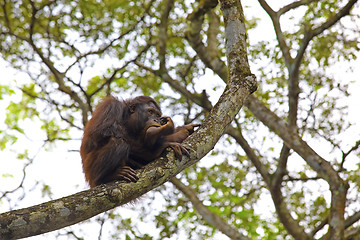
<point x="250" y="83"/>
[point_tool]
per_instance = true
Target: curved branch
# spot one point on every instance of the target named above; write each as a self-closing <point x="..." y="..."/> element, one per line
<point x="275" y="17"/>
<point x="334" y="19"/>
<point x="294" y="5"/>
<point x="239" y="138"/>
<point x="320" y="226"/>
<point x="209" y="217"/>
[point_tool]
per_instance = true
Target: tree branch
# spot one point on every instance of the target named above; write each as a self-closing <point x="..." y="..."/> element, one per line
<point x="334" y="19"/>
<point x="275" y="17"/>
<point x="281" y="169"/>
<point x="235" y="34"/>
<point x="237" y="135"/>
<point x="352" y="219"/>
<point x="345" y="154"/>
<point x="196" y="19"/>
<point x="209" y="217"/>
<point x="294" y="5"/>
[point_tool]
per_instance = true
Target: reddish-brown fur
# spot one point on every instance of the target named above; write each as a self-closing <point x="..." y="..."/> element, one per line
<point x="123" y="136"/>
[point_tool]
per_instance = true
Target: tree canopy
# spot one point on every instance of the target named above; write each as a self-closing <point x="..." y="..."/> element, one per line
<point x="281" y="162"/>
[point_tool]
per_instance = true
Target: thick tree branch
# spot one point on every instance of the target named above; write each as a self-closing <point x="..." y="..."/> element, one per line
<point x="72" y="209"/>
<point x="235" y="34"/>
